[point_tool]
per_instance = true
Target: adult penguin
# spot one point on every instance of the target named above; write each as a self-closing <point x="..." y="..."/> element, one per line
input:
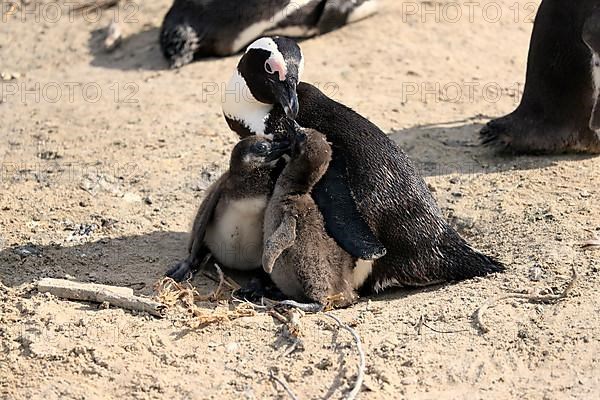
<point x="202" y="28"/>
<point x="373" y="201"/>
<point x="561" y="86"/>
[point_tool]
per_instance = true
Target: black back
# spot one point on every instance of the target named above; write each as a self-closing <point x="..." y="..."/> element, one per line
<point x="372" y="172"/>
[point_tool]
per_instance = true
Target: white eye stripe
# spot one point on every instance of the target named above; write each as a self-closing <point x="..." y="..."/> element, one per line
<point x="276" y="60"/>
<point x="268" y="67"/>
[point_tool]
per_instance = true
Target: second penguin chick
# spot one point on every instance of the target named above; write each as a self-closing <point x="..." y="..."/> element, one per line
<point x="304" y="262"/>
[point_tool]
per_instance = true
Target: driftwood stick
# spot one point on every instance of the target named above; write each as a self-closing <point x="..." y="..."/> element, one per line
<point x="117" y="296"/>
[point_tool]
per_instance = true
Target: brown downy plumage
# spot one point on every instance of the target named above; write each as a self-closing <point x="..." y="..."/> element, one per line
<point x="304" y="261"/>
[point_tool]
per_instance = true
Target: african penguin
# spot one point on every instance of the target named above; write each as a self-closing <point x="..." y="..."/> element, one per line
<point x="373" y="201"/>
<point x="229" y="222"/>
<point x="202" y="28"/>
<point x="556" y="113"/>
<point x="304" y="262"/>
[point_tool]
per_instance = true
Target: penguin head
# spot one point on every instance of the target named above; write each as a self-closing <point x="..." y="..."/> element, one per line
<point x="270" y="69"/>
<point x="257" y="152"/>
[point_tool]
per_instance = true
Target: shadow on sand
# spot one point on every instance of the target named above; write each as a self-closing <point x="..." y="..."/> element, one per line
<point x="139" y="51"/>
<point x="453" y="148"/>
<point x="132" y="261"/>
<point x="137" y="262"/>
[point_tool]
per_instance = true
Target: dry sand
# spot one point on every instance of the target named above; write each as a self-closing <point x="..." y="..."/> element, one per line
<point x="104" y="158"/>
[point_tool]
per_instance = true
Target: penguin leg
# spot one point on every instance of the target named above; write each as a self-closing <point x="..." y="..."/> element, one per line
<point x="554" y="113"/>
<point x="283" y="237"/>
<point x="186" y="269"/>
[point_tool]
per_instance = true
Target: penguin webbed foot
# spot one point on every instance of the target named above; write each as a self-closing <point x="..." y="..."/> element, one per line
<point x="258" y="288"/>
<point x="181" y="271"/>
<point x="518" y="134"/>
<point x="186" y="269"/>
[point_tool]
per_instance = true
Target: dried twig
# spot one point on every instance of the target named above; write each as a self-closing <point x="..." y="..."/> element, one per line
<point x="275" y="314"/>
<point x="185" y="296"/>
<point x="117" y="296"/>
<point x="423" y="323"/>
<point x="478" y="316"/>
<point x="284" y="384"/>
<point x="217" y="293"/>
<point x="591" y="244"/>
<point x="94" y="4"/>
<point x="312" y="308"/>
<point x="361" y="367"/>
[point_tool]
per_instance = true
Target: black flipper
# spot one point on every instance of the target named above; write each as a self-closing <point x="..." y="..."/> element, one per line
<point x="343" y="221"/>
<point x="196" y="248"/>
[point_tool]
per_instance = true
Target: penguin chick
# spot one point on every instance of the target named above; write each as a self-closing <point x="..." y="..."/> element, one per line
<point x="304" y="262"/>
<point x="229" y="222"/>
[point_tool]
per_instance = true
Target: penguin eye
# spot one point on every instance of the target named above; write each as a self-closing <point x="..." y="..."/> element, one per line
<point x="262" y="147"/>
<point x="268" y="67"/>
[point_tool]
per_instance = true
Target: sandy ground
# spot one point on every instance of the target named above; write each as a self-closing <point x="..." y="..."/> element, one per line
<point x="105" y="158"/>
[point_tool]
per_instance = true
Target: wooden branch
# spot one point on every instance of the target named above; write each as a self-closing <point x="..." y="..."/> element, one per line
<point x="121" y="297"/>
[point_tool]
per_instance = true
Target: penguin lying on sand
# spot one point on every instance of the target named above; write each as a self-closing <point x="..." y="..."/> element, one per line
<point x="374" y="203"/>
<point x="202" y="28"/>
<point x="229" y="222"/>
<point x="304" y="262"/>
<point x="559" y="111"/>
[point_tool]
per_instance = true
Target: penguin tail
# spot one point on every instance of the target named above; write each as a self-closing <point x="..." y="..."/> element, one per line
<point x="465" y="262"/>
<point x="179" y="44"/>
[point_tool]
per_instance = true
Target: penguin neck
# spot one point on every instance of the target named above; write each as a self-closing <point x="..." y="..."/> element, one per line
<point x="251" y="182"/>
<point x="244" y="114"/>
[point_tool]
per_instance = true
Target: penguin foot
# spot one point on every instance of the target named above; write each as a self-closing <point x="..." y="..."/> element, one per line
<point x="518" y="135"/>
<point x="259" y="288"/>
<point x="181" y="271"/>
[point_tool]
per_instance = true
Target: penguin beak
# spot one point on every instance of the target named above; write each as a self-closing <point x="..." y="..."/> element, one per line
<point x="287" y="97"/>
<point x="278" y="149"/>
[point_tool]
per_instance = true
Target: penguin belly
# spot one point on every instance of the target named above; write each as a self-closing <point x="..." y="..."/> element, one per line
<point x="235" y="235"/>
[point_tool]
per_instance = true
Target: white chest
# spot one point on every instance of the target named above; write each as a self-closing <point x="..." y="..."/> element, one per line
<point x="240" y="105"/>
<point x="235" y="235"/>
